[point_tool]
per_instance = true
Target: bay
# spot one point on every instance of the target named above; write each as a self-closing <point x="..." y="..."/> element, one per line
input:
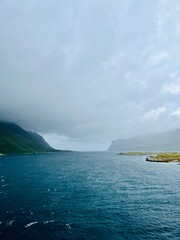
<point x="88" y="195"/>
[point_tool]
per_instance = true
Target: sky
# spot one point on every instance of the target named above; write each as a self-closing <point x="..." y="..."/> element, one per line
<point x="83" y="73"/>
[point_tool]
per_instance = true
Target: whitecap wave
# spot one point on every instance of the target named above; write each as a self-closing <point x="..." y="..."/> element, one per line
<point x="30" y="224"/>
<point x="68" y="225"/>
<point x="9" y="223"/>
<point x="46" y="222"/>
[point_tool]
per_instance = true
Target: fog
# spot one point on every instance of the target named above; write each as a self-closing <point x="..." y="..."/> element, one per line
<point x="83" y="73"/>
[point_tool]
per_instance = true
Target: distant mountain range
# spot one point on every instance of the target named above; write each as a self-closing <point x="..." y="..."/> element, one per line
<point x="14" y="139"/>
<point x="166" y="141"/>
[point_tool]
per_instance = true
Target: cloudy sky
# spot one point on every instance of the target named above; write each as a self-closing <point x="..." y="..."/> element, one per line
<point x="84" y="72"/>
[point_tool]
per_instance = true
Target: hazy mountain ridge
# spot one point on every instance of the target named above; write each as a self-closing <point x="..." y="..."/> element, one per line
<point x="166" y="141"/>
<point x="14" y="139"/>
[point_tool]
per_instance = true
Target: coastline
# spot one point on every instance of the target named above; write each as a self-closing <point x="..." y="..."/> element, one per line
<point x="164" y="157"/>
<point x="160" y="157"/>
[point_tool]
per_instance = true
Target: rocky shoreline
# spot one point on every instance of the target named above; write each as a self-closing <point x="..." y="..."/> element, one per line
<point x="148" y="159"/>
<point x="156" y="156"/>
<point x="164" y="157"/>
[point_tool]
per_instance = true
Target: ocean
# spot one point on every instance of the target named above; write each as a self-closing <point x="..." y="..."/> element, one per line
<point x="88" y="195"/>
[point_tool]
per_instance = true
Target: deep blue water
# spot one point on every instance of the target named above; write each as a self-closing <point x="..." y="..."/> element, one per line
<point x="88" y="196"/>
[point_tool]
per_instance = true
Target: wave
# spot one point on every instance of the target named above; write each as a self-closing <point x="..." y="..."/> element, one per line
<point x="30" y="224"/>
<point x="51" y="221"/>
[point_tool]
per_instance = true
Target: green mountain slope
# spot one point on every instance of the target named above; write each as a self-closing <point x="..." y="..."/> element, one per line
<point x="167" y="141"/>
<point x="14" y="139"/>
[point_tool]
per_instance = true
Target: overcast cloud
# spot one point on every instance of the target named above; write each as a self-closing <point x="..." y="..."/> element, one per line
<point x="82" y="73"/>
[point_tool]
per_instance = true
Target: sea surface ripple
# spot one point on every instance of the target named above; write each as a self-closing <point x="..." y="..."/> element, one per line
<point x="89" y="195"/>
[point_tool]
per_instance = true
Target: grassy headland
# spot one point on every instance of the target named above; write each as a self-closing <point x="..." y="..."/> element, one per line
<point x="165" y="157"/>
<point x="155" y="156"/>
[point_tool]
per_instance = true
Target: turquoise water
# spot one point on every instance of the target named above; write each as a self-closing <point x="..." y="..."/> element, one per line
<point x="88" y="196"/>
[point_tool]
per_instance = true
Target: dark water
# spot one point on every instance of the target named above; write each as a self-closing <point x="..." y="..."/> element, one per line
<point x="88" y="196"/>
